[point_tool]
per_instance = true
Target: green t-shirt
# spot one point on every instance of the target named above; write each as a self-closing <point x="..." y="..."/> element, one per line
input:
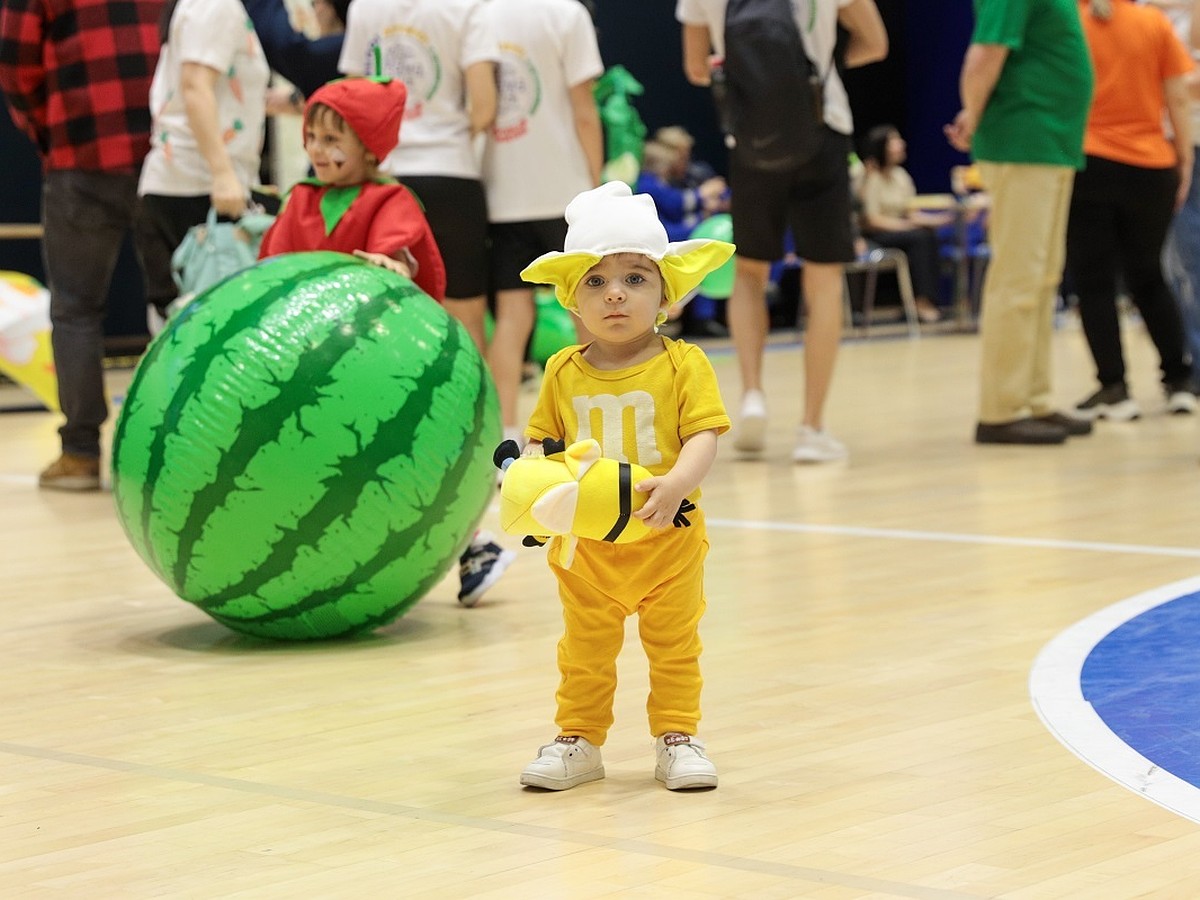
<point x="1038" y="110"/>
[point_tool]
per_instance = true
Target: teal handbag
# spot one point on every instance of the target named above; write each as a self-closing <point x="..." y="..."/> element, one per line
<point x="212" y="251"/>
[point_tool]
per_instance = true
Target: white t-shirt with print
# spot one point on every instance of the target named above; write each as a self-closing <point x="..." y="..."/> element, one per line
<point x="533" y="164"/>
<point x="817" y="22"/>
<point x="427" y="44"/>
<point x="217" y="34"/>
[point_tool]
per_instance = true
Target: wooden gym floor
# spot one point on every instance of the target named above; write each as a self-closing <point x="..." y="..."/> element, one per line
<point x="869" y="641"/>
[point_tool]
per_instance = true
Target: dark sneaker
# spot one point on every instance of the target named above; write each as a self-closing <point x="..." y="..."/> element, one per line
<point x="1112" y="402"/>
<point x="1075" y="427"/>
<point x="1021" y="431"/>
<point x="481" y="566"/>
<point x="71" y="472"/>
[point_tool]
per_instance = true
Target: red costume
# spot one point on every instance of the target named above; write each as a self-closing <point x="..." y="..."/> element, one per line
<point x="378" y="216"/>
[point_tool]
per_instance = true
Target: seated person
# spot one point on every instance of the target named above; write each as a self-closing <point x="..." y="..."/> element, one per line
<point x="889" y="219"/>
<point x="680" y="209"/>
<point x="688" y="172"/>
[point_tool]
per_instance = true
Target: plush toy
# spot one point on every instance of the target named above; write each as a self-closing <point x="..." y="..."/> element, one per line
<point x="571" y="491"/>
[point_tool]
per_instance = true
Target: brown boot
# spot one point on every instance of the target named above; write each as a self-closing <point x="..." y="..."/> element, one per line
<point x="71" y="472"/>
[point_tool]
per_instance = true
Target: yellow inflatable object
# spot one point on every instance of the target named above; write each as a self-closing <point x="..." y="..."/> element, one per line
<point x="25" y="354"/>
<point x="576" y="492"/>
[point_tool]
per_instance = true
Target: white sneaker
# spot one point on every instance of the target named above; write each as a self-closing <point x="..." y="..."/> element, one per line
<point x="751" y="436"/>
<point x="567" y="762"/>
<point x="815" y="446"/>
<point x="682" y="764"/>
<point x="1181" y="403"/>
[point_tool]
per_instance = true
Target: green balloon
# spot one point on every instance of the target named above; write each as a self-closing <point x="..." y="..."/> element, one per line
<point x="306" y="448"/>
<point x="553" y="328"/>
<point x="718" y="283"/>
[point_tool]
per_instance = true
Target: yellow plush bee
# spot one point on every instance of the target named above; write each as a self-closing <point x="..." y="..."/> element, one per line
<point x="573" y="491"/>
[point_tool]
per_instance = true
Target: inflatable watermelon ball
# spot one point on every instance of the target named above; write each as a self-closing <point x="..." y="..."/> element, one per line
<point x="306" y="448"/>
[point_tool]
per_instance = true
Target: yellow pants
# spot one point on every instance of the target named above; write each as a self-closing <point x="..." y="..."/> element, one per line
<point x="661" y="578"/>
<point x="1027" y="229"/>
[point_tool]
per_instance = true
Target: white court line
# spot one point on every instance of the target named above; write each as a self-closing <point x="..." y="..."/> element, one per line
<point x="902" y="534"/>
<point x="1056" y="690"/>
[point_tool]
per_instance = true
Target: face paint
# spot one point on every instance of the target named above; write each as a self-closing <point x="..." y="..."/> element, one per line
<point x="337" y="156"/>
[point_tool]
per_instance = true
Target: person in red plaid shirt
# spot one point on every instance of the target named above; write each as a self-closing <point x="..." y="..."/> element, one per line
<point x="76" y="76"/>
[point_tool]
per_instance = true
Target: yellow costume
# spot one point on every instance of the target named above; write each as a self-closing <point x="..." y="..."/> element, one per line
<point x="640" y="415"/>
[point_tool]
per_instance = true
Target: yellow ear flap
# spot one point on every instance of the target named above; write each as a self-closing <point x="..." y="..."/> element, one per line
<point x="562" y="270"/>
<point x="685" y="268"/>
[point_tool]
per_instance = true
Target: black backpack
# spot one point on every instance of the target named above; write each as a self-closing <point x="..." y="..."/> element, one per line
<point x="774" y="96"/>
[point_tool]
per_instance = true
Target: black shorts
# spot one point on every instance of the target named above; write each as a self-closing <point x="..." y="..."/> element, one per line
<point x="812" y="200"/>
<point x="516" y="244"/>
<point x="457" y="212"/>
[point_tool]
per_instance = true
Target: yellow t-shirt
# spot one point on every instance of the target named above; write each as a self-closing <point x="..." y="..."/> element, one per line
<point x="641" y="414"/>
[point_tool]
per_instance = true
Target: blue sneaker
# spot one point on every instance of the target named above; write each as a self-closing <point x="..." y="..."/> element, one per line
<point x="480" y="566"/>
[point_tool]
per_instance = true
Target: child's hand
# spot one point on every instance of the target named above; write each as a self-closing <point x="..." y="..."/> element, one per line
<point x="387" y="262"/>
<point x="663" y="502"/>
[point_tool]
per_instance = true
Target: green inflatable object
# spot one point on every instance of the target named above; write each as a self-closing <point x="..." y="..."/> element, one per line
<point x="718" y="283"/>
<point x="624" y="130"/>
<point x="553" y="327"/>
<point x="306" y="449"/>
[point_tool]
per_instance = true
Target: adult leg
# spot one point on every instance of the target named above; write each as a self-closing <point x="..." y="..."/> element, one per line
<point x="1181" y="264"/>
<point x="1058" y="190"/>
<point x="160" y="226"/>
<point x="1092" y="257"/>
<point x="471" y="313"/>
<point x="758" y="209"/>
<point x="85" y="216"/>
<point x="1146" y="209"/>
<point x="747" y="318"/>
<point x="822" y="335"/>
<point x="1026" y="221"/>
<point x="515" y="315"/>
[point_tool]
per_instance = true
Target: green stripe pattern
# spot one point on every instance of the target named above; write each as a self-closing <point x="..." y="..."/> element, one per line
<point x="306" y="448"/>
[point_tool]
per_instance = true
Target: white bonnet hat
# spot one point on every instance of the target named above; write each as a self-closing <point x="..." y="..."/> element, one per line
<point x="612" y="219"/>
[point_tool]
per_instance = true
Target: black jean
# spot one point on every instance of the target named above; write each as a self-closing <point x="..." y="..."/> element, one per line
<point x="85" y="216"/>
<point x="1118" y="222"/>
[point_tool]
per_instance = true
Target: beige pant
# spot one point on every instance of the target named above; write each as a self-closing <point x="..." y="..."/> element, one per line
<point x="1027" y="229"/>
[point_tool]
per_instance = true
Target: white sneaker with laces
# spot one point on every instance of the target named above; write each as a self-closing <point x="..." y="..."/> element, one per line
<point x="682" y="764"/>
<point x="569" y="761"/>
<point x="751" y="436"/>
<point x="815" y="446"/>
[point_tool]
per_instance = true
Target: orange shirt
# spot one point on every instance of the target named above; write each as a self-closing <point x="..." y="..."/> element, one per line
<point x="1133" y="53"/>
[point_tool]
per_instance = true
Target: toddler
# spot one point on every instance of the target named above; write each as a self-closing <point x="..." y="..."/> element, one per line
<point x="647" y="400"/>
